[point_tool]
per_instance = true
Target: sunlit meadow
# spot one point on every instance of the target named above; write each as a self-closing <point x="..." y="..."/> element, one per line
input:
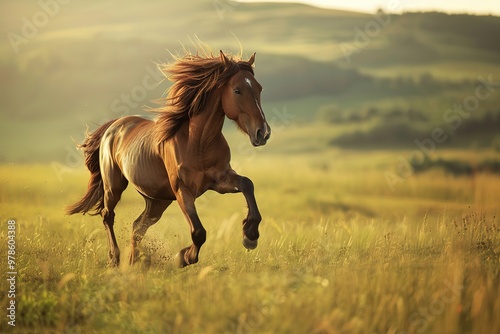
<point x="339" y="252"/>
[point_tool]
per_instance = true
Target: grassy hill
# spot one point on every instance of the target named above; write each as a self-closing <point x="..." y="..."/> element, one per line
<point x="74" y="68"/>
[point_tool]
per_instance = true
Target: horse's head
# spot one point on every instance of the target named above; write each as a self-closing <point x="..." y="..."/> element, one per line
<point x="241" y="103"/>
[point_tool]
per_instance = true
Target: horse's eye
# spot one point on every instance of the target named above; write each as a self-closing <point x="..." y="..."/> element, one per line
<point x="237" y="91"/>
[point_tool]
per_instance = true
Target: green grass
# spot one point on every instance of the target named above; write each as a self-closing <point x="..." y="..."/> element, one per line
<point x="339" y="252"/>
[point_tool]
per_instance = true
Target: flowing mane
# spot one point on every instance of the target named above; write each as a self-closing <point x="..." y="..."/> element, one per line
<point x="194" y="79"/>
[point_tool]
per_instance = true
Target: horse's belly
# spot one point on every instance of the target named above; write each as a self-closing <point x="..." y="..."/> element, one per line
<point x="150" y="180"/>
<point x="131" y="149"/>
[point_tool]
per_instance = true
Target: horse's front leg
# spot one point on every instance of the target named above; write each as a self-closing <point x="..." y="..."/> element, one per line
<point x="230" y="182"/>
<point x="189" y="255"/>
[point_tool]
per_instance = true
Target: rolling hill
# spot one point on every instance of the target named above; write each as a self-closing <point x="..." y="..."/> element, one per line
<point x="79" y="61"/>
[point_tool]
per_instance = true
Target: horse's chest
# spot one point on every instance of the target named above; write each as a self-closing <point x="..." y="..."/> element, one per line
<point x="199" y="179"/>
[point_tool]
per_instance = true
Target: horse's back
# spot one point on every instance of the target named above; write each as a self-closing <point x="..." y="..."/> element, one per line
<point x="128" y="151"/>
<point x="124" y="134"/>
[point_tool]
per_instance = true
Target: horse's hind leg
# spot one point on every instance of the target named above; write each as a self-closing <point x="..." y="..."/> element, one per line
<point x="151" y="214"/>
<point x="114" y="184"/>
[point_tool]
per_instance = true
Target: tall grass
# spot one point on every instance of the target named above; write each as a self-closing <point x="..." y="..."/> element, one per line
<point x="331" y="258"/>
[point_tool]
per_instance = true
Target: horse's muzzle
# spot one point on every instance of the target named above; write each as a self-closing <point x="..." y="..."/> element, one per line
<point x="261" y="136"/>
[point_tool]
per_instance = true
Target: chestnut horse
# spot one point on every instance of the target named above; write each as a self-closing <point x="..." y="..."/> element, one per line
<point x="179" y="155"/>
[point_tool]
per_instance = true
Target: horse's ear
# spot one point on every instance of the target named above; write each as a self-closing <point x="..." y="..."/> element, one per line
<point x="223" y="57"/>
<point x="252" y="59"/>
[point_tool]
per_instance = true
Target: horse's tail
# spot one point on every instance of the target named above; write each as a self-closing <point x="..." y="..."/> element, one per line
<point x="94" y="198"/>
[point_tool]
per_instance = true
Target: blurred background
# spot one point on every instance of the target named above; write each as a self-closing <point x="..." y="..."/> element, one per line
<point x="376" y="79"/>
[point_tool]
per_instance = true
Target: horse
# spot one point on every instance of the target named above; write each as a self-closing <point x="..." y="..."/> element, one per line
<point x="179" y="154"/>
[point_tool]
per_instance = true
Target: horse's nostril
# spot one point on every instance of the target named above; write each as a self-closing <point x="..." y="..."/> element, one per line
<point x="259" y="134"/>
<point x="267" y="135"/>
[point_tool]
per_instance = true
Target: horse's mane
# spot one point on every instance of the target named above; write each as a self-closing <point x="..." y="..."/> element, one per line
<point x="194" y="79"/>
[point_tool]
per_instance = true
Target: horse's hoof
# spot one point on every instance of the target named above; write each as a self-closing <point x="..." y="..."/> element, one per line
<point x="179" y="259"/>
<point x="249" y="244"/>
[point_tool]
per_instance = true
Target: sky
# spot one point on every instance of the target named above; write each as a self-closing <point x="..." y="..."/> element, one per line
<point x="483" y="7"/>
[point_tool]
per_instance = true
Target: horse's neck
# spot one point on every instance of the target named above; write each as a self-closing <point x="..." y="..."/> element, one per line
<point x="205" y="128"/>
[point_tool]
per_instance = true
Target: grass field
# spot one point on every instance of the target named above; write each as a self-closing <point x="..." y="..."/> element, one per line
<point x="341" y="250"/>
<point x="339" y="253"/>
